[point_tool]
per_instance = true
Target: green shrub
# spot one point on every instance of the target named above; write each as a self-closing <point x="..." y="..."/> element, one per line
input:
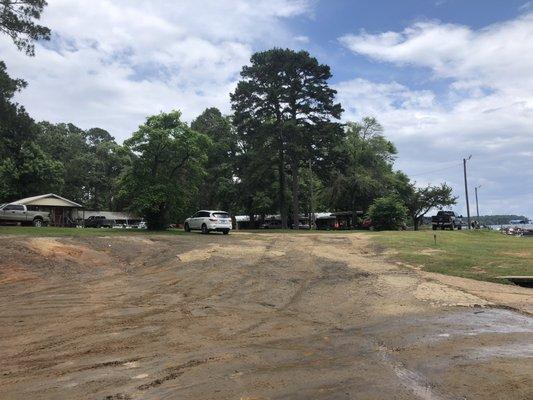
<point x="387" y="213"/>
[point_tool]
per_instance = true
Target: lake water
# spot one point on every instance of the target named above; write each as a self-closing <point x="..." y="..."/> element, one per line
<point x="523" y="226"/>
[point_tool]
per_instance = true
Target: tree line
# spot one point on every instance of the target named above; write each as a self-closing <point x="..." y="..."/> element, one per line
<point x="282" y="150"/>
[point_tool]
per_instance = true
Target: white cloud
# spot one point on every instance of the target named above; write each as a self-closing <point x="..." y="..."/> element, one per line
<point x="301" y="39"/>
<point x="112" y="63"/>
<point x="486" y="108"/>
<point x="499" y="56"/>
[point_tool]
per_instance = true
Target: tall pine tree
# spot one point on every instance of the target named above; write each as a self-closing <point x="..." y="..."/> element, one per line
<point x="284" y="104"/>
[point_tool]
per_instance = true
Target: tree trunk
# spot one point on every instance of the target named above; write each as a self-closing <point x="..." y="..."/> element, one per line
<point x="295" y="195"/>
<point x="282" y="199"/>
<point x="354" y="210"/>
<point x="416" y="222"/>
<point x="251" y="225"/>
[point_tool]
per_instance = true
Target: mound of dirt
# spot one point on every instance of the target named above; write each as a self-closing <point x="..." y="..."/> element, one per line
<point x="53" y="248"/>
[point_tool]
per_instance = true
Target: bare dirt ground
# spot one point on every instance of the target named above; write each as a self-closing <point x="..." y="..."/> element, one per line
<point x="250" y="316"/>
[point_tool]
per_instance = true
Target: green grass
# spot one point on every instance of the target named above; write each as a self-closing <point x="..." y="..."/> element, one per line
<point x="481" y="255"/>
<point x="77" y="232"/>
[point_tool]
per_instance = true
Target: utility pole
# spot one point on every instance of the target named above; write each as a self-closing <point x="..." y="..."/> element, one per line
<point x="477" y="204"/>
<point x="466" y="192"/>
<point x="311" y="194"/>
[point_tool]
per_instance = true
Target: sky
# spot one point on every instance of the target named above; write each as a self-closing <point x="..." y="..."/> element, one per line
<point x="446" y="78"/>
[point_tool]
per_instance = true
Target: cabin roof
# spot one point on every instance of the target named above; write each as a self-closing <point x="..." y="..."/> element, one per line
<point x="49" y="200"/>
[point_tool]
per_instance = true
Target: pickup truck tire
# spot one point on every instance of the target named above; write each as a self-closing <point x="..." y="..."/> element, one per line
<point x="38" y="222"/>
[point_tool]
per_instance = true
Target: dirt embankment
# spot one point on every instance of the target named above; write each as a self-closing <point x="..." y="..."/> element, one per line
<point x="249" y="317"/>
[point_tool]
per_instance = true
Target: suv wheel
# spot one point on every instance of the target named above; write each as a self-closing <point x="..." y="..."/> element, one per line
<point x="37" y="222"/>
<point x="204" y="229"/>
<point x="225" y="231"/>
<point x="187" y="228"/>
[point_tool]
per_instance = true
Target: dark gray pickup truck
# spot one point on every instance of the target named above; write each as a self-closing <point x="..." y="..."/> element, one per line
<point x="446" y="220"/>
<point x="19" y="214"/>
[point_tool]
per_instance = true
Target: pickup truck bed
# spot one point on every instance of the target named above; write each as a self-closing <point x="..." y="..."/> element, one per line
<point x="19" y="214"/>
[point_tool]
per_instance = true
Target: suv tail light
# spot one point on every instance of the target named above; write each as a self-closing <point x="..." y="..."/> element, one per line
<point x="213" y="219"/>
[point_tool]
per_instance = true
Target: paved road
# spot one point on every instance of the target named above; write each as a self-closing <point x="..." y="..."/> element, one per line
<point x="262" y="316"/>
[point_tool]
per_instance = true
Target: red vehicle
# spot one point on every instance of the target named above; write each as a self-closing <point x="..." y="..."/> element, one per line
<point x="367" y="223"/>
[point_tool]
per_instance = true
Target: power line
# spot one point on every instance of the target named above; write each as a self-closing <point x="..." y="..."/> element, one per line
<point x="437" y="170"/>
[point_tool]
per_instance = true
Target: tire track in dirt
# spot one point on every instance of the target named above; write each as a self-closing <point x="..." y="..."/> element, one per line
<point x="292" y="300"/>
<point x="175" y="372"/>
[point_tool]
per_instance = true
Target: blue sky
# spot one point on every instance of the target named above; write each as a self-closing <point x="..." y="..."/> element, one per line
<point x="333" y="19"/>
<point x="446" y="78"/>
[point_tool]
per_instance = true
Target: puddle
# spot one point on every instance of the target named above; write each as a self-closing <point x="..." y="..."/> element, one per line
<point x="411" y="331"/>
<point x="486" y="321"/>
<point x="439" y="342"/>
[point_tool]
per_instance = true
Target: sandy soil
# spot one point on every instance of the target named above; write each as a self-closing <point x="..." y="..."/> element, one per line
<point x="251" y="316"/>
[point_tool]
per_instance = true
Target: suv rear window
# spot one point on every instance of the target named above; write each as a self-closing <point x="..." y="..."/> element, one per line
<point x="221" y="215"/>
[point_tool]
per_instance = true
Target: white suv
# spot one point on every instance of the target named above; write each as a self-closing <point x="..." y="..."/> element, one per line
<point x="207" y="221"/>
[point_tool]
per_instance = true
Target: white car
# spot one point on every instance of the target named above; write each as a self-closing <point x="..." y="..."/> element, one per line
<point x="206" y="221"/>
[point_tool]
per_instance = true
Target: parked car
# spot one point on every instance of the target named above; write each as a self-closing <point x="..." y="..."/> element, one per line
<point x="302" y="225"/>
<point x="209" y="220"/>
<point x="142" y="225"/>
<point x="99" y="221"/>
<point x="446" y="220"/>
<point x="271" y="224"/>
<point x="19" y="214"/>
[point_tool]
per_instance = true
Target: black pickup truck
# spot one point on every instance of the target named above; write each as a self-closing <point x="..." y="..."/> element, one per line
<point x="446" y="220"/>
<point x="99" y="221"/>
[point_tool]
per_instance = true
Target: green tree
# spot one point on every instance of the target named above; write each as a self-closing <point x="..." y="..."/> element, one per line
<point x="17" y="20"/>
<point x="363" y="170"/>
<point x="25" y="169"/>
<point x="310" y="188"/>
<point x="65" y="143"/>
<point x="166" y="171"/>
<point x="218" y="189"/>
<point x="256" y="183"/>
<point x="420" y="200"/>
<point x="92" y="162"/>
<point x="284" y="104"/>
<point x="387" y="213"/>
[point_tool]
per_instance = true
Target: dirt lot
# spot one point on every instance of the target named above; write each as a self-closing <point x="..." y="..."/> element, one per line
<point x="250" y="316"/>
